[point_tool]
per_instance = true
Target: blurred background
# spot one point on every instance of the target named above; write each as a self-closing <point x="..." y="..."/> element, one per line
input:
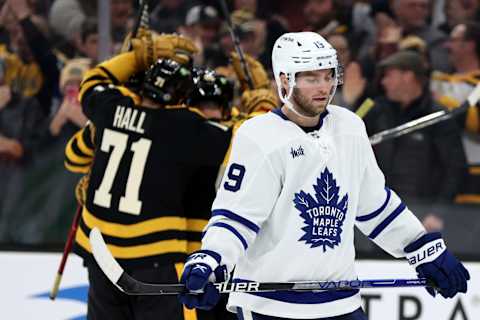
<point x="401" y="59"/>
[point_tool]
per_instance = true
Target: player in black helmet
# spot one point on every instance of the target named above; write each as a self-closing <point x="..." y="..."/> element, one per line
<point x="212" y="94"/>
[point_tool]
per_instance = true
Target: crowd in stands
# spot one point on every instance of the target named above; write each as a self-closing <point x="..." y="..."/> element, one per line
<point x="402" y="58"/>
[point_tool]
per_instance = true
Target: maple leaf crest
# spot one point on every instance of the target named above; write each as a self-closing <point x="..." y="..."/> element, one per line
<point x="323" y="213"/>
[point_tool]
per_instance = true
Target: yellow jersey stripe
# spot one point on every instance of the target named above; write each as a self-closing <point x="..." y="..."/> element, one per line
<point x="76" y="169"/>
<point x="81" y="144"/>
<point x="193" y="246"/>
<point x="74" y="157"/>
<point x="474" y="170"/>
<point x="196" y="224"/>
<point x="138" y="251"/>
<point x="142" y="228"/>
<point x="467" y="198"/>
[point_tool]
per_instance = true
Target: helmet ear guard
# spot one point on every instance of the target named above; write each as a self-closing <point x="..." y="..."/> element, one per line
<point x="167" y="82"/>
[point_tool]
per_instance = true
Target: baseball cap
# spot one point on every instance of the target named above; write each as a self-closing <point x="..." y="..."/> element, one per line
<point x="405" y="60"/>
<point x="202" y="14"/>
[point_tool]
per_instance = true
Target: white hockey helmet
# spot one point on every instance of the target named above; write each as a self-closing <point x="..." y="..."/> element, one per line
<point x="302" y="51"/>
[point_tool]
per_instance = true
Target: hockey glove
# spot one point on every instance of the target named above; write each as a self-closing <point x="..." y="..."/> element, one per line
<point x="259" y="76"/>
<point x="201" y="270"/>
<point x="81" y="189"/>
<point x="151" y="47"/>
<point x="432" y="260"/>
<point x="258" y="100"/>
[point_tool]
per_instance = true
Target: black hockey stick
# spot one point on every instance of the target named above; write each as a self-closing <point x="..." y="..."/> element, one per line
<point x="427" y="120"/>
<point x="131" y="286"/>
<point x="142" y="20"/>
<point x="236" y="43"/>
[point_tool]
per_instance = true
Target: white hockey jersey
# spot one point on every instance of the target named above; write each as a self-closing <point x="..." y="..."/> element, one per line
<point x="287" y="206"/>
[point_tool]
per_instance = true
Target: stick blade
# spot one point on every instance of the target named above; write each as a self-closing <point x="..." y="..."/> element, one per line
<point x="104" y="258"/>
<point x="474" y="96"/>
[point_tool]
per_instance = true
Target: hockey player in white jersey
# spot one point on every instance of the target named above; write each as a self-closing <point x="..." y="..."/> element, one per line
<point x="298" y="180"/>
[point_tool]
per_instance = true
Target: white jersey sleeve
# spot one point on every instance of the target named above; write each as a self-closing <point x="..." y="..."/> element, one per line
<point x="381" y="215"/>
<point x="249" y="189"/>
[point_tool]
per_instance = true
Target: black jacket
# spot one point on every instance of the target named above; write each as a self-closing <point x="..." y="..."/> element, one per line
<point x="428" y="164"/>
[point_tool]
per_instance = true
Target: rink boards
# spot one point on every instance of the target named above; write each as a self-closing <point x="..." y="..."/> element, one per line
<point x="26" y="280"/>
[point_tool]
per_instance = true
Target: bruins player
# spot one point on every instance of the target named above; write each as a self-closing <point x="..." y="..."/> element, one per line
<point x="140" y="171"/>
<point x="138" y="193"/>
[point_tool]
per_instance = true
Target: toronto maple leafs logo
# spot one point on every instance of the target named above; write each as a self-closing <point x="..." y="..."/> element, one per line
<point x="323" y="214"/>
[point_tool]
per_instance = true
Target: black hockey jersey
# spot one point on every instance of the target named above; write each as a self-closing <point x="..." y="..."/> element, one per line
<point x="141" y="176"/>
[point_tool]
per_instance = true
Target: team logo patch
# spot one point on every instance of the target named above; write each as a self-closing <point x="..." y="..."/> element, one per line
<point x="323" y="213"/>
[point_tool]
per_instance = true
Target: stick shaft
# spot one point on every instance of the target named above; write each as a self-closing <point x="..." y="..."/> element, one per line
<point x="66" y="250"/>
<point x="132" y="286"/>
<point x="236" y="43"/>
<point x="427" y="120"/>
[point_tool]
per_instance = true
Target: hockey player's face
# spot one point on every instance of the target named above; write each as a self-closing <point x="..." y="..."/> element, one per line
<point x="312" y="91"/>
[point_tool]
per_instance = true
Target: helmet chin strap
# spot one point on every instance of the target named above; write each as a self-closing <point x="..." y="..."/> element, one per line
<point x="289" y="104"/>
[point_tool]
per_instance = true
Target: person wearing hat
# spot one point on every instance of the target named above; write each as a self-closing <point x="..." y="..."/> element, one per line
<point x="425" y="167"/>
<point x="70" y="110"/>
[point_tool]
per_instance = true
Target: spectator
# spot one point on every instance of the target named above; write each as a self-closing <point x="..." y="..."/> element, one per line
<point x="457" y="12"/>
<point x="169" y="15"/>
<point x="251" y="32"/>
<point x="426" y="166"/>
<point x="36" y="73"/>
<point x="70" y="110"/>
<point x="354" y="84"/>
<point x="464" y="54"/>
<point x="85" y="46"/>
<point x="201" y="25"/>
<point x="67" y="19"/>
<point x="67" y="16"/>
<point x="321" y="17"/>
<point x="411" y="16"/>
<point x="122" y="19"/>
<point x="452" y="89"/>
<point x="20" y="120"/>
<point x="382" y="41"/>
<point x="89" y="40"/>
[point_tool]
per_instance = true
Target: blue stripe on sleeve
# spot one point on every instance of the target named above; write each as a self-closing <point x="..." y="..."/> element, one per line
<point x="235" y="217"/>
<point x="378" y="211"/>
<point x="232" y="230"/>
<point x="401" y="207"/>
<point x="304" y="297"/>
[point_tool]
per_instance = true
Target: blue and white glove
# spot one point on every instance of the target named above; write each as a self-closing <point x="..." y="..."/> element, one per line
<point x="201" y="270"/>
<point x="433" y="261"/>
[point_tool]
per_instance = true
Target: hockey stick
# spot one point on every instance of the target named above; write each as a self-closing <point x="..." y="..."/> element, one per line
<point x="142" y="20"/>
<point x="131" y="286"/>
<point x="236" y="43"/>
<point x="66" y="251"/>
<point x="427" y="120"/>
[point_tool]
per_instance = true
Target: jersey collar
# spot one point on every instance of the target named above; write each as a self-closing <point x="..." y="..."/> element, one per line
<point x="278" y="112"/>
